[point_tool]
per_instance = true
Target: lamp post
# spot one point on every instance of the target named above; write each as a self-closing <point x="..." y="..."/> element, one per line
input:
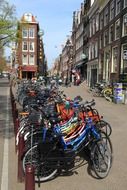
<point x="40" y="63"/>
<point x="41" y="32"/>
<point x="69" y="46"/>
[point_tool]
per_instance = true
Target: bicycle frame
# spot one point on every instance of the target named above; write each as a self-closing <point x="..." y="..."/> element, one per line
<point x="75" y="142"/>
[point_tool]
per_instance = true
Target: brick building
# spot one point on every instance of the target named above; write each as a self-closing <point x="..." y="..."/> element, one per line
<point x="30" y="55"/>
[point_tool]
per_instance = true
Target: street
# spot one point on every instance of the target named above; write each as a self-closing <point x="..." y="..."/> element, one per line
<point x="81" y="178"/>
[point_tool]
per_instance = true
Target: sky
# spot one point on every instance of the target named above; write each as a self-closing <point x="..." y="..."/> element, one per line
<point x="55" y="19"/>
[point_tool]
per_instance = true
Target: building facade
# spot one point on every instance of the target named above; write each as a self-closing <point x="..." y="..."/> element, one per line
<point x="29" y="51"/>
<point x="121" y="22"/>
<point x="99" y="42"/>
<point x="66" y="62"/>
<point x="113" y="40"/>
<point x="93" y="56"/>
<point x="77" y="40"/>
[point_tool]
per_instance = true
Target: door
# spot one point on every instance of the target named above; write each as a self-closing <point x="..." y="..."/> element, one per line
<point x="93" y="77"/>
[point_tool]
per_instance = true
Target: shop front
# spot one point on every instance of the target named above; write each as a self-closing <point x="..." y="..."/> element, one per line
<point x="92" y="72"/>
<point x="27" y="71"/>
<point x="123" y="67"/>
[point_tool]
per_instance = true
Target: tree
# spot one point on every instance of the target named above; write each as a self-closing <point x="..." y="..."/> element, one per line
<point x="8" y="23"/>
<point x="2" y="64"/>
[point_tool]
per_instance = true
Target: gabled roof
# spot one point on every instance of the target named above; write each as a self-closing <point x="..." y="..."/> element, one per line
<point x="28" y="17"/>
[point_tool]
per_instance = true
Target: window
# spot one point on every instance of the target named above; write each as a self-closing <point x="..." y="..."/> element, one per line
<point x="90" y="51"/>
<point x="24" y="33"/>
<point x="28" y="17"/>
<point x="97" y="22"/>
<point x="24" y="46"/>
<point x="117" y="29"/>
<point x="78" y="58"/>
<point x="106" y="18"/>
<point x="96" y="49"/>
<point x="25" y="59"/>
<point x="112" y="10"/>
<point x="114" y="59"/>
<point x="101" y="21"/>
<point x="31" y="59"/>
<point x="101" y="60"/>
<point x="93" y="51"/>
<point x="91" y="29"/>
<point x="125" y="25"/>
<point x="101" y="41"/>
<point x="124" y="59"/>
<point x="125" y="3"/>
<point x="111" y="34"/>
<point x="118" y="6"/>
<point x="106" y="38"/>
<point x="94" y="25"/>
<point x="31" y="46"/>
<point x="31" y="33"/>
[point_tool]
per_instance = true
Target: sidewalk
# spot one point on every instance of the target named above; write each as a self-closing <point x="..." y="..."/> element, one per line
<point x="14" y="91"/>
<point x="83" y="91"/>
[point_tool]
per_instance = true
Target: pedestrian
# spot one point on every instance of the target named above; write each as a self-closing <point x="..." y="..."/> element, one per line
<point x="66" y="82"/>
<point x="78" y="80"/>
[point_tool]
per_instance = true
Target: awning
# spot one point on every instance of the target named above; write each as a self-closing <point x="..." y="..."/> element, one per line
<point x="29" y="68"/>
<point x="79" y="65"/>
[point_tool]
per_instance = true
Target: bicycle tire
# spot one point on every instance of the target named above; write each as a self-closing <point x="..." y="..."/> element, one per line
<point x="106" y="139"/>
<point x="45" y="172"/>
<point x="104" y="126"/>
<point x="37" y="137"/>
<point x="101" y="159"/>
<point x="96" y="93"/>
<point x="107" y="94"/>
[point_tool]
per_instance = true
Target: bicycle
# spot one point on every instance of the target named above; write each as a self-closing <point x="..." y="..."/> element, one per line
<point x="108" y="93"/>
<point x="55" y="152"/>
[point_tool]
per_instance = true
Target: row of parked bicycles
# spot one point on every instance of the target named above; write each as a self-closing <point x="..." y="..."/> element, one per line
<point x="59" y="132"/>
<point x="102" y="89"/>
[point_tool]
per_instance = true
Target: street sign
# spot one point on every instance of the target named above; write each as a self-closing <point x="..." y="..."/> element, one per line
<point x="83" y="56"/>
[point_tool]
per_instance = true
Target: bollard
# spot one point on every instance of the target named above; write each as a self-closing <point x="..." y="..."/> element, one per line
<point x="16" y="113"/>
<point x="29" y="178"/>
<point x="12" y="99"/>
<point x="11" y="92"/>
<point x="20" y="153"/>
<point x="13" y="108"/>
<point x="15" y="116"/>
<point x="16" y="127"/>
<point x="12" y="102"/>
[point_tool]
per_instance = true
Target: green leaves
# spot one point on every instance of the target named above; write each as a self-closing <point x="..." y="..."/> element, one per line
<point x="2" y="64"/>
<point x="8" y="23"/>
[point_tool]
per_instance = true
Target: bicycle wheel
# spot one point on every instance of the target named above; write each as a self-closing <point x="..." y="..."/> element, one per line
<point x="36" y="137"/>
<point x="104" y="126"/>
<point x="43" y="172"/>
<point x="108" y="95"/>
<point x="106" y="139"/>
<point x="101" y="159"/>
